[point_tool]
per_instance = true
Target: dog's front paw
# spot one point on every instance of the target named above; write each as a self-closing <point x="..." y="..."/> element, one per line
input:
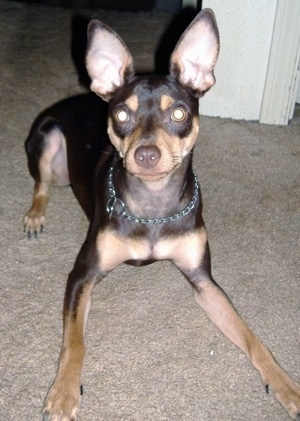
<point x="287" y="392"/>
<point x="34" y="223"/>
<point x="62" y="404"/>
<point x="289" y="397"/>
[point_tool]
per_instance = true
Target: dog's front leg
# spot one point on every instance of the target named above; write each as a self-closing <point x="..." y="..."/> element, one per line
<point x="221" y="311"/>
<point x="62" y="401"/>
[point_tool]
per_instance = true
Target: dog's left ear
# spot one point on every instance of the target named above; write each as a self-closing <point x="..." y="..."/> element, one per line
<point x="196" y="53"/>
<point x="108" y="61"/>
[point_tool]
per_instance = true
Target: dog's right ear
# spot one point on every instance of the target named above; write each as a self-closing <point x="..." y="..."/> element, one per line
<point x="108" y="61"/>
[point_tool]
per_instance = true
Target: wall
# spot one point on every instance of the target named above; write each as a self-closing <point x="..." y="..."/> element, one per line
<point x="246" y="29"/>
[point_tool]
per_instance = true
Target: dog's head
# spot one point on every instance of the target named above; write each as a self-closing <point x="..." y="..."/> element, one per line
<point x="153" y="120"/>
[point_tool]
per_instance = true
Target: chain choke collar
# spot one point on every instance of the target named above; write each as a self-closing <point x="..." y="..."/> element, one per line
<point x="116" y="206"/>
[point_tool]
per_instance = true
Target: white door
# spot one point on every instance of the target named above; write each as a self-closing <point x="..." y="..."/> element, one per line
<point x="282" y="87"/>
<point x="258" y="68"/>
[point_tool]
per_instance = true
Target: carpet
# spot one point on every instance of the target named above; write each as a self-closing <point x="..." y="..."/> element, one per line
<point x="151" y="352"/>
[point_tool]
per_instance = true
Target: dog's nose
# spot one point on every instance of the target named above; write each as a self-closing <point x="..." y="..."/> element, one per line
<point x="147" y="156"/>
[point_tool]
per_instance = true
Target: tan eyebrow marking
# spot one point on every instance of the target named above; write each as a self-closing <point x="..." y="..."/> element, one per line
<point x="132" y="102"/>
<point x="165" y="102"/>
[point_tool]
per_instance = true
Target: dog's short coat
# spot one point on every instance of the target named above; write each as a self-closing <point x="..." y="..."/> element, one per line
<point x="138" y="189"/>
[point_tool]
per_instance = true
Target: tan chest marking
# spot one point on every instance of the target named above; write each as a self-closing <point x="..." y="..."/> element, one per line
<point x="115" y="250"/>
<point x="185" y="251"/>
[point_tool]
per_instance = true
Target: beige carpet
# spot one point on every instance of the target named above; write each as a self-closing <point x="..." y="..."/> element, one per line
<point x="152" y="354"/>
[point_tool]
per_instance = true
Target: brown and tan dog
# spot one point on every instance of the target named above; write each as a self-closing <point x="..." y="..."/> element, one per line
<point x="138" y="189"/>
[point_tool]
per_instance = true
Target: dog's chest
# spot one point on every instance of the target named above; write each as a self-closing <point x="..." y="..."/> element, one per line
<point x="185" y="251"/>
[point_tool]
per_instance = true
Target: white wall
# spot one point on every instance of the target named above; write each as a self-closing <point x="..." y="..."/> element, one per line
<point x="246" y="29"/>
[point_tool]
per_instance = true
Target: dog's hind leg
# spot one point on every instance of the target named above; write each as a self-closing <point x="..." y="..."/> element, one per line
<point x="47" y="161"/>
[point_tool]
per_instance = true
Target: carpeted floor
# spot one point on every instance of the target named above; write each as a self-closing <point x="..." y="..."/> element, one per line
<point x="152" y="354"/>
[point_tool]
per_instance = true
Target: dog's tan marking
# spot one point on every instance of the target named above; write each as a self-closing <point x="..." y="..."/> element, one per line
<point x="115" y="140"/>
<point x="64" y="395"/>
<point x="165" y="102"/>
<point x="121" y="146"/>
<point x="174" y="149"/>
<point x="221" y="311"/>
<point x="53" y="170"/>
<point x="132" y="103"/>
<point x="114" y="250"/>
<point x="35" y="217"/>
<point x="190" y="140"/>
<point x="185" y="251"/>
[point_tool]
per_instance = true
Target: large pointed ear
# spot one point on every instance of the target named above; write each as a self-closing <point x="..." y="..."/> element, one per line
<point x="196" y="53"/>
<point x="108" y="61"/>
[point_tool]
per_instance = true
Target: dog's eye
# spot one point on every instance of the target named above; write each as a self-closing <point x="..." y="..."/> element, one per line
<point x="178" y="114"/>
<point x="122" y="116"/>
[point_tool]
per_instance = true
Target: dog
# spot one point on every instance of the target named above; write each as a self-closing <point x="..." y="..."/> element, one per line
<point x="128" y="158"/>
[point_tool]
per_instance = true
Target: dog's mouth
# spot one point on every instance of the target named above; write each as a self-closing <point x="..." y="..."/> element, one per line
<point x="150" y="176"/>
